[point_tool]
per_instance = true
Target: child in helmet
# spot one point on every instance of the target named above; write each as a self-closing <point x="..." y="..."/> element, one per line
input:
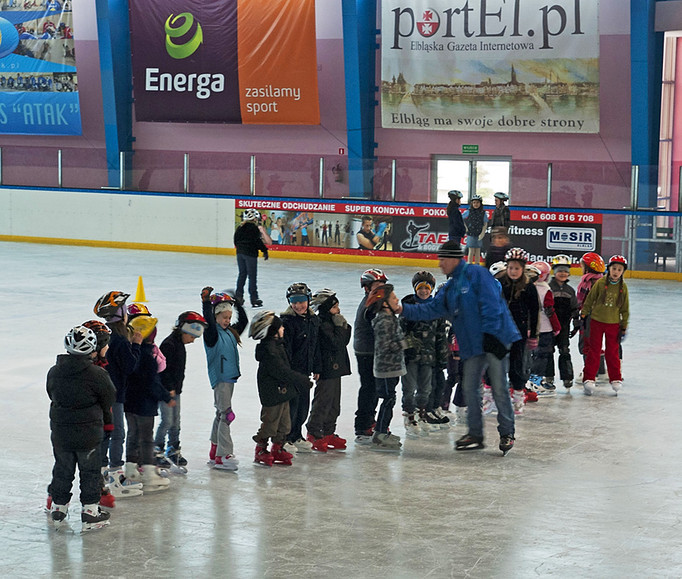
<point x="122" y="359"/>
<point x="566" y="307"/>
<point x="333" y="337"/>
<point x="476" y="221"/>
<point x="221" y="341"/>
<point x="81" y="396"/>
<point x="426" y="349"/>
<point x="609" y="308"/>
<point x="593" y="269"/>
<point x="301" y="331"/>
<point x="248" y="241"/>
<point x="456" y="227"/>
<point x="542" y="367"/>
<point x="389" y="360"/>
<point x="188" y="327"/>
<point x="143" y="396"/>
<point x="501" y="214"/>
<point x="277" y="385"/>
<point x="522" y="299"/>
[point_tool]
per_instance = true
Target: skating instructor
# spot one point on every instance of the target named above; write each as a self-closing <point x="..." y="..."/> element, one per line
<point x="472" y="300"/>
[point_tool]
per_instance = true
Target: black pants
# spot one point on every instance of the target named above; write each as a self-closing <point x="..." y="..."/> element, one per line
<point x="64" y="471"/>
<point x="298" y="411"/>
<point x="563" y="344"/>
<point x="542" y="357"/>
<point x="437" y="388"/>
<point x="518" y="365"/>
<point x="326" y="407"/>
<point x="367" y="395"/>
<point x="385" y="388"/>
<point x="140" y="441"/>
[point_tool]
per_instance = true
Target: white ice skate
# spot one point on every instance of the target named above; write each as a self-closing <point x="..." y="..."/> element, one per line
<point x="58" y="514"/>
<point x="153" y="481"/>
<point x="120" y="486"/>
<point x="93" y="518"/>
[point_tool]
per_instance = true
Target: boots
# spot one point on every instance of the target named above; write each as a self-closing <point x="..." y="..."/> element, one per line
<point x="92" y="517"/>
<point x="263" y="456"/>
<point x="318" y="444"/>
<point x="281" y="456"/>
<point x="335" y="442"/>
<point x="152" y="480"/>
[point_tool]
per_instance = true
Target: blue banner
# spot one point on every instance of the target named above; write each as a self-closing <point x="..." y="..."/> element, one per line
<point x="38" y="79"/>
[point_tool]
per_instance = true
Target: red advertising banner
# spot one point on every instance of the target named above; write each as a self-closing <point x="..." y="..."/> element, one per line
<point x="227" y="61"/>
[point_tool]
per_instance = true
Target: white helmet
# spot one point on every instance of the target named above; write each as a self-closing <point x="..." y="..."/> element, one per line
<point x="498" y="268"/>
<point x="260" y="324"/>
<point x="80" y="341"/>
<point x="251" y="215"/>
<point x="320" y="297"/>
<point x="532" y="271"/>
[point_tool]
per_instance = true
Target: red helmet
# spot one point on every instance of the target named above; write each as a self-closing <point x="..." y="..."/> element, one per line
<point x="593" y="261"/>
<point x="220" y="297"/>
<point x="101" y="330"/>
<point x="137" y="309"/>
<point x="618" y="259"/>
<point x="379" y="295"/>
<point x="369" y="276"/>
<point x="191" y="323"/>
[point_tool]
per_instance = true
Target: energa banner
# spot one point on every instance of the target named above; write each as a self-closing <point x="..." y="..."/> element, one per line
<point x="490" y="65"/>
<point x="38" y="81"/>
<point x="227" y="61"/>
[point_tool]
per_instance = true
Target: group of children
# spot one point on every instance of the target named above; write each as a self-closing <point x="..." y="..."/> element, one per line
<point x="114" y="370"/>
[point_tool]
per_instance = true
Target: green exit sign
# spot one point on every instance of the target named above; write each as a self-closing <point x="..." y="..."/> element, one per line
<point x="470" y="149"/>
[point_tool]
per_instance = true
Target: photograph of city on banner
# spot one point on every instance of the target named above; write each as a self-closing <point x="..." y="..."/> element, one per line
<point x="526" y="66"/>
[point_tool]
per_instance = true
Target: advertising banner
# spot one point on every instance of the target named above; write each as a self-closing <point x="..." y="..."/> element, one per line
<point x="530" y="66"/>
<point x="227" y="61"/>
<point x="38" y="81"/>
<point x="410" y="231"/>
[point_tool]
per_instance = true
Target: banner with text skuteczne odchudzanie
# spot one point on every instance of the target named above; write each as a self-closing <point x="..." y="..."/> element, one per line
<point x="515" y="66"/>
<point x="226" y="61"/>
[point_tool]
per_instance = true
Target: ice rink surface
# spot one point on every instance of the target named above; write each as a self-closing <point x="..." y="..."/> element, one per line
<point x="593" y="487"/>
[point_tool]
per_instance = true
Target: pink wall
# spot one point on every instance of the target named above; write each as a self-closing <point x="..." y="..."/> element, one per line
<point x="676" y="163"/>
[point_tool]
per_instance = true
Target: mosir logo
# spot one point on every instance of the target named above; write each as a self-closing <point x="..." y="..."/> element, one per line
<point x="182" y="49"/>
<point x="571" y="239"/>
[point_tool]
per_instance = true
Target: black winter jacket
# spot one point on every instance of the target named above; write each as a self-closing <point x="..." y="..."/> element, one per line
<point x="277" y="382"/>
<point x="524" y="308"/>
<point x="248" y="240"/>
<point x="173" y="349"/>
<point x="363" y="334"/>
<point x="122" y="358"/>
<point x="145" y="390"/>
<point x="334" y="337"/>
<point x="301" y="341"/>
<point x="456" y="227"/>
<point x="81" y="395"/>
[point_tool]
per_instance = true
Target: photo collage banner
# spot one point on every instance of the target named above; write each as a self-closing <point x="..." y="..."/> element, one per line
<point x="515" y="66"/>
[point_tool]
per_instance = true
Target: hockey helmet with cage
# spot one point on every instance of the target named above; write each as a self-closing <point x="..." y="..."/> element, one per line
<point x="262" y="322"/>
<point x="324" y="300"/>
<point x="498" y="268"/>
<point x="517" y="254"/>
<point x="298" y="289"/>
<point x="80" y="341"/>
<point x="543" y="268"/>
<point x="191" y="323"/>
<point x="370" y="276"/>
<point x="109" y="304"/>
<point x="618" y="259"/>
<point x="594" y="262"/>
<point x="102" y="332"/>
<point x="251" y="215"/>
<point x="423" y="277"/>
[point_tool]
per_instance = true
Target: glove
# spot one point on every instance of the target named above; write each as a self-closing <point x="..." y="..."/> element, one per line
<point x="491" y="345"/>
<point x="239" y="301"/>
<point x="265" y="255"/>
<point x="206" y="294"/>
<point x="622" y="333"/>
<point x="531" y="343"/>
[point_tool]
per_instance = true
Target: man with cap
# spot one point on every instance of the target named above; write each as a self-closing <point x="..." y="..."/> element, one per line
<point x="456" y="227"/>
<point x="472" y="300"/>
<point x="501" y="215"/>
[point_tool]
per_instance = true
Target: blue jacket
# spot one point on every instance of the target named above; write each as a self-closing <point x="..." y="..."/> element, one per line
<point x="472" y="300"/>
<point x="222" y="356"/>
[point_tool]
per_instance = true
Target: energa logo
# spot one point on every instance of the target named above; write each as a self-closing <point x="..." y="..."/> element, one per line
<point x="177" y="27"/>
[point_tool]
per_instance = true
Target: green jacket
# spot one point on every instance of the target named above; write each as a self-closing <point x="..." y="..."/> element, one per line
<point x="608" y="303"/>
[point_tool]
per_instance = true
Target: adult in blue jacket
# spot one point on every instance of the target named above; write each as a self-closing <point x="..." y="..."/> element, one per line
<point x="472" y="300"/>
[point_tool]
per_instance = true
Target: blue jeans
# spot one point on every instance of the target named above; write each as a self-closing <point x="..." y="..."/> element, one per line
<point x="248" y="267"/>
<point x="416" y="387"/>
<point x="169" y="424"/>
<point x="472" y="373"/>
<point x="112" y="446"/>
<point x="386" y="391"/>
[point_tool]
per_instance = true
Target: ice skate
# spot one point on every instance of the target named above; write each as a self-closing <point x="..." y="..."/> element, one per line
<point x="469" y="442"/>
<point x="385" y="442"/>
<point x="568" y="384"/>
<point x="153" y="481"/>
<point x="107" y="500"/>
<point x="58" y="515"/>
<point x="428" y="423"/>
<point x="227" y="462"/>
<point x="281" y="456"/>
<point x="365" y="437"/>
<point x="160" y="458"/>
<point x="132" y="472"/>
<point x="121" y="487"/>
<point x="290" y="447"/>
<point x="303" y="445"/>
<point x="488" y="405"/>
<point x="93" y="518"/>
<point x="317" y="444"/>
<point x="518" y="402"/>
<point x="616" y="385"/>
<point x="177" y="462"/>
<point x="211" y="454"/>
<point x="412" y="429"/>
<point x="443" y="421"/>
<point x="335" y="442"/>
<point x="506" y="443"/>
<point x="264" y="457"/>
<point x="589" y="387"/>
<point x="257" y="304"/>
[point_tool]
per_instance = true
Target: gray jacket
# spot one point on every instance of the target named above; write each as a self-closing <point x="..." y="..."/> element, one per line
<point x="389" y="344"/>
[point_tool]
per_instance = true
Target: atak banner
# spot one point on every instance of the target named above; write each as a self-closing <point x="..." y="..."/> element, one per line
<point x="225" y="61"/>
<point x="516" y="66"/>
<point x="38" y="81"/>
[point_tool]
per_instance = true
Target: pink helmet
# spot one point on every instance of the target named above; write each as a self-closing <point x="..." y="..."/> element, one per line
<point x="544" y="269"/>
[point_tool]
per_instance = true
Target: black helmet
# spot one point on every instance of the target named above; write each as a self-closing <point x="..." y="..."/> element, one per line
<point x="425" y="277"/>
<point x="299" y="289"/>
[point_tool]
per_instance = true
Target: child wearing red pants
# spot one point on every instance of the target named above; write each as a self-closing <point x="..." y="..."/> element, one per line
<point x="608" y="305"/>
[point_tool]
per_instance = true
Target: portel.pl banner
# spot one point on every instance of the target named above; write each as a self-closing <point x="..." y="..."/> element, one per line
<point x="38" y="82"/>
<point x="491" y="65"/>
<point x="225" y="61"/>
